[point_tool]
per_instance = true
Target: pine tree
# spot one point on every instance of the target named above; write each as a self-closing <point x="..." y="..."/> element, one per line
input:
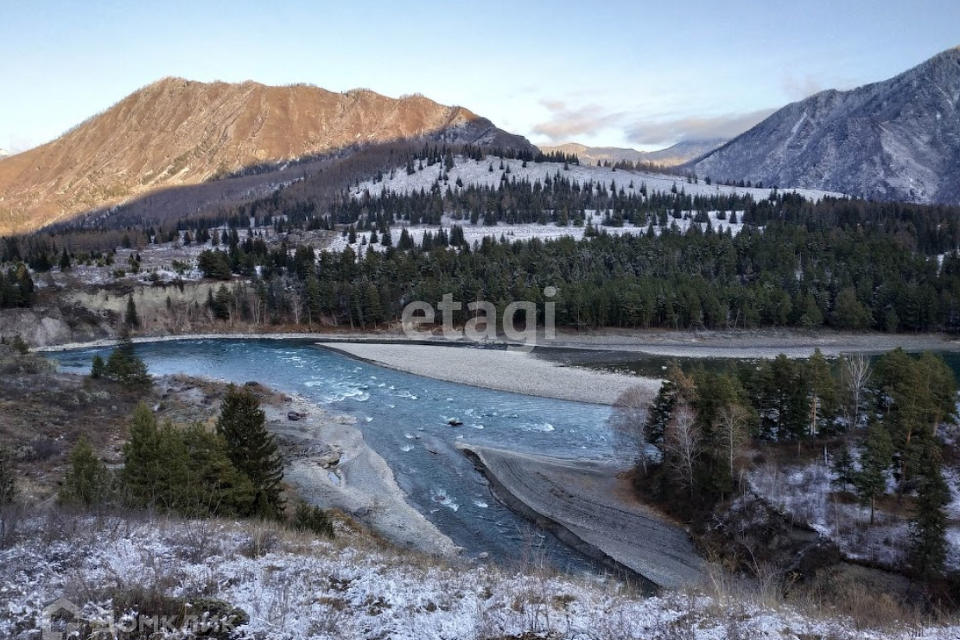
<point x="215" y="485"/>
<point x="928" y="527"/>
<point x="124" y="366"/>
<point x="154" y="472"/>
<point x="252" y="449"/>
<point x="871" y="480"/>
<point x="131" y="318"/>
<point x="98" y="367"/>
<point x="842" y="466"/>
<point x="87" y="481"/>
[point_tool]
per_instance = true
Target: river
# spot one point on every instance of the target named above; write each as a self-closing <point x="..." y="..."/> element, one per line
<point x="404" y="418"/>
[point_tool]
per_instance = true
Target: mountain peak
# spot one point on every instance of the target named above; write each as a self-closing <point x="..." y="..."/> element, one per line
<point x="891" y="140"/>
<point x="177" y="132"/>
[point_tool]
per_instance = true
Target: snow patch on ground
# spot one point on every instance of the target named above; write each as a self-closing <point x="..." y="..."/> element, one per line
<point x="474" y="172"/>
<point x="295" y="587"/>
<point x="523" y="232"/>
<point x="808" y="496"/>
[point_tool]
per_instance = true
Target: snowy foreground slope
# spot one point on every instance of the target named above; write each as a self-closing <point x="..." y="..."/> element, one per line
<point x="295" y="587"/>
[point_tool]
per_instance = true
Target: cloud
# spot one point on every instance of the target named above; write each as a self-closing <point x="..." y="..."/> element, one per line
<point x="690" y="129"/>
<point x="800" y="89"/>
<point x="567" y="122"/>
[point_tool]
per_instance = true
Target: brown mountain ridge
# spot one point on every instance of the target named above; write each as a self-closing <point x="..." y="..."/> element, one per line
<point x="177" y="132"/>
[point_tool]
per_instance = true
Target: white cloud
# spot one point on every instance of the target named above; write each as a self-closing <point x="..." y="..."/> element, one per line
<point x="568" y="122"/>
<point x="670" y="131"/>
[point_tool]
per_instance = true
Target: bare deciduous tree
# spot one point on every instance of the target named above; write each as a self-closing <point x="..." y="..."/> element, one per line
<point x="628" y="423"/>
<point x="256" y="307"/>
<point x="682" y="443"/>
<point x="732" y="432"/>
<point x="296" y="302"/>
<point x="856" y="375"/>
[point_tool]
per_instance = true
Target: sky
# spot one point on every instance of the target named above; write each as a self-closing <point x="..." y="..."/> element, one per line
<point x="627" y="73"/>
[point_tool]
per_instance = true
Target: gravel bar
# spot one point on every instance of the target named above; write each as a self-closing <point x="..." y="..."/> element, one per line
<point x="499" y="369"/>
<point x="587" y="504"/>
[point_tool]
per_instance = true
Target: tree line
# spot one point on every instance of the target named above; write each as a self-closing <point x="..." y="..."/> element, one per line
<point x="784" y="275"/>
<point x="883" y="422"/>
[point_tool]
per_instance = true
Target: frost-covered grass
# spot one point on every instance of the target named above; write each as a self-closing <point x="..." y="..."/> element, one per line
<point x="292" y="586"/>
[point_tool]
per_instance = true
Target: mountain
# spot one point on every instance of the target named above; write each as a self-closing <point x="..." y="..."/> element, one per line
<point x="669" y="157"/>
<point x="176" y="132"/>
<point x="893" y="140"/>
<point x="4" y="154"/>
<point x="682" y="152"/>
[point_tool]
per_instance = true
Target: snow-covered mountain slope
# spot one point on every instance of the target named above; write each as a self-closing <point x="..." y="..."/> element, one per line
<point x="473" y="172"/>
<point x="488" y="173"/>
<point x="893" y="140"/>
<point x="510" y="232"/>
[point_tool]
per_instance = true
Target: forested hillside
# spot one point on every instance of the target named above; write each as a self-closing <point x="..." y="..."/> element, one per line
<point x="620" y="253"/>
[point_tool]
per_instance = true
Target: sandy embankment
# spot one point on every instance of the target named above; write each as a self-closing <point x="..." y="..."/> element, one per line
<point x="502" y="370"/>
<point x="749" y="343"/>
<point x="361" y="483"/>
<point x="589" y="507"/>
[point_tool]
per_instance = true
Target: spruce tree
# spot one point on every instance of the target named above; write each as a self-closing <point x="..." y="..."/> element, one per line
<point x="87" y="481"/>
<point x="130" y="317"/>
<point x="842" y="465"/>
<point x="124" y="366"/>
<point x="871" y="480"/>
<point x="98" y="367"/>
<point x="154" y="472"/>
<point x="215" y="486"/>
<point x="252" y="449"/>
<point x="928" y="528"/>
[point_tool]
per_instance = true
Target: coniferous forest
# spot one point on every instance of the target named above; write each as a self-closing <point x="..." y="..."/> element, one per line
<point x="841" y="263"/>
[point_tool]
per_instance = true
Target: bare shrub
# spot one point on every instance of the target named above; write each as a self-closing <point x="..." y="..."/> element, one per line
<point x="263" y="539"/>
<point x="199" y="539"/>
<point x="628" y="424"/>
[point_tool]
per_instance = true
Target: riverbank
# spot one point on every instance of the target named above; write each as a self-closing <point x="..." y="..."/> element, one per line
<point x="498" y="369"/>
<point x="737" y="343"/>
<point x="518" y="372"/>
<point x="749" y="343"/>
<point x="329" y="464"/>
<point x="588" y="506"/>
